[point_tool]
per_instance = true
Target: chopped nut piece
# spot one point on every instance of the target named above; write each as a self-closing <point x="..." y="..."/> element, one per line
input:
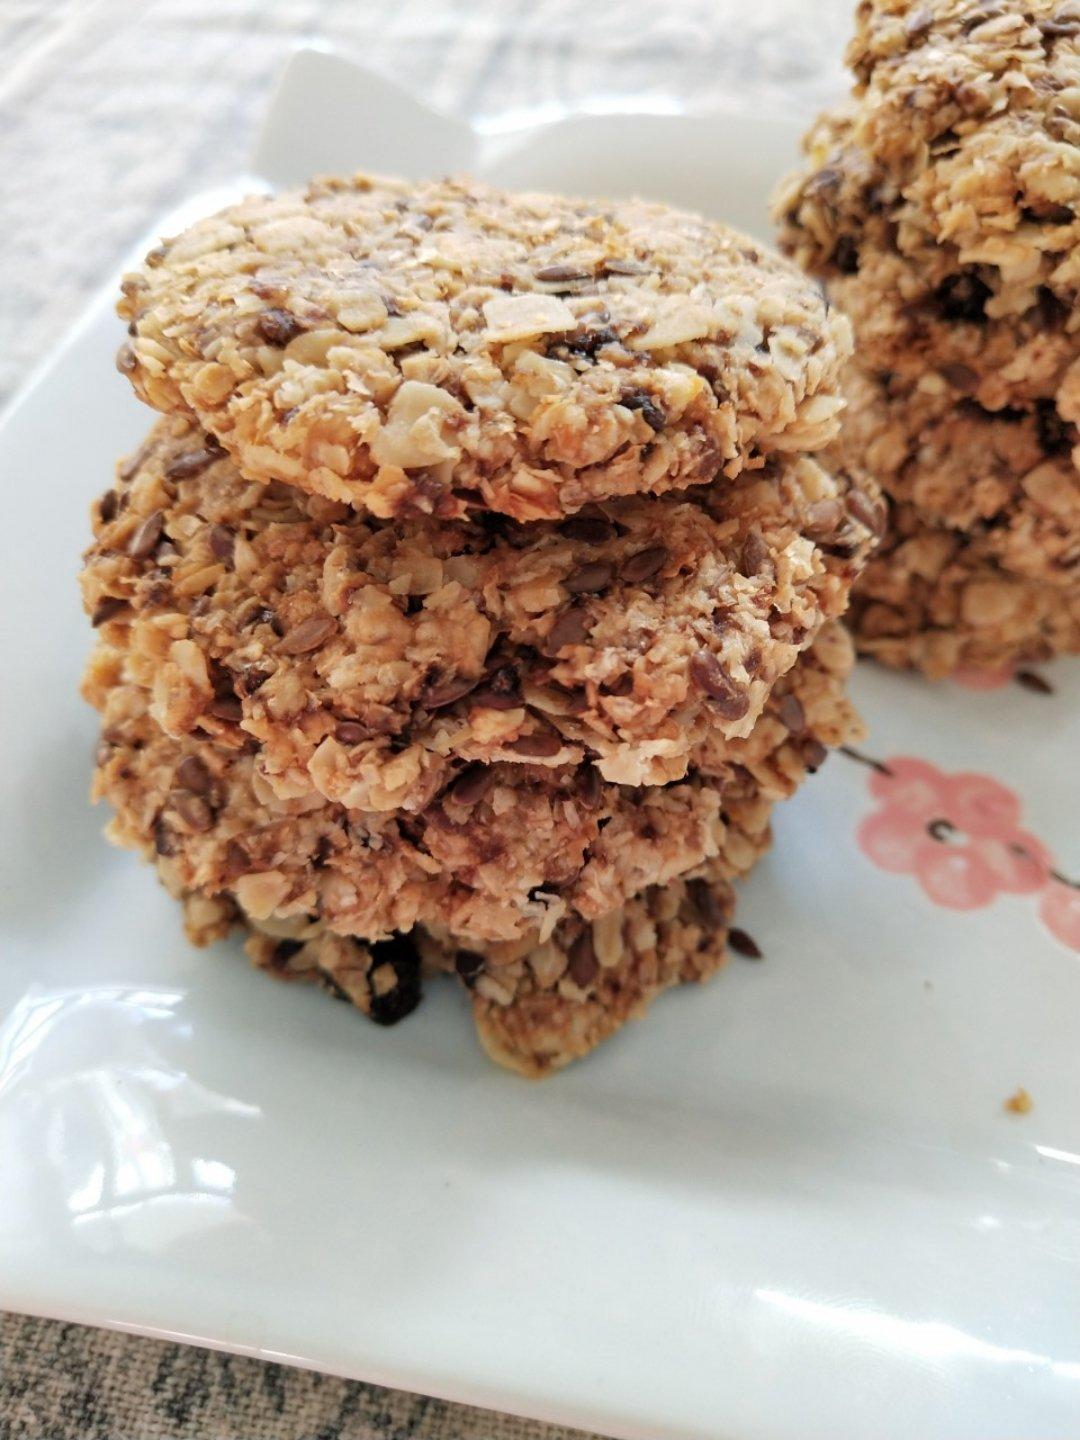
<point x="1020" y="1102"/>
<point x="309" y="634"/>
<point x="518" y="317"/>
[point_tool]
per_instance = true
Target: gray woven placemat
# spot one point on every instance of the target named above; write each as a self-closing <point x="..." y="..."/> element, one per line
<point x="65" y="1382"/>
<point x="110" y="112"/>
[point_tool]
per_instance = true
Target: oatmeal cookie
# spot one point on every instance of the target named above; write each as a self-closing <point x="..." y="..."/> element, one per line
<point x="424" y="350"/>
<point x="938" y="601"/>
<point x="537" y="1004"/>
<point x="970" y="267"/>
<point x="372" y="664"/>
<point x="925" y="68"/>
<point x="502" y="852"/>
<point x="537" y="1008"/>
<point x="1003" y="364"/>
<point x="1005" y="479"/>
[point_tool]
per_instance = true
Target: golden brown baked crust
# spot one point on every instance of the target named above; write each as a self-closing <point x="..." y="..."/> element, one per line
<point x="938" y="601"/>
<point x="931" y="66"/>
<point x="538" y="1009"/>
<point x="503" y="853"/>
<point x="537" y="1005"/>
<point x="942" y="203"/>
<point x="373" y="663"/>
<point x="941" y="206"/>
<point x="1005" y="479"/>
<point x="423" y="349"/>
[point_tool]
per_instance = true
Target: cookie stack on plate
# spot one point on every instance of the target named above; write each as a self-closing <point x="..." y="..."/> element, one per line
<point x="941" y="205"/>
<point x="475" y="599"/>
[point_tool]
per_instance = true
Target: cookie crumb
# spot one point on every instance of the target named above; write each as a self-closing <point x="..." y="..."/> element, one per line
<point x="744" y="944"/>
<point x="1030" y="680"/>
<point x="1020" y="1102"/>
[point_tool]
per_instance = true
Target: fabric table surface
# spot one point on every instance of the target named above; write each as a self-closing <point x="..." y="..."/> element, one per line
<point x="112" y="112"/>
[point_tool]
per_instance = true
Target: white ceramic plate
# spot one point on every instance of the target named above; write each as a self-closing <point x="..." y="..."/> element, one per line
<point x="789" y="1206"/>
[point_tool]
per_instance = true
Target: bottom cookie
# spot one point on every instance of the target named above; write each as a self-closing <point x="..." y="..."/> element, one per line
<point x="935" y="600"/>
<point x="537" y="1006"/>
<point x="536" y="1011"/>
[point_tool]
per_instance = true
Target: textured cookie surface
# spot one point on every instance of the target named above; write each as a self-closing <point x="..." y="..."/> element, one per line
<point x="1003" y="197"/>
<point x="942" y="203"/>
<point x="537" y="1006"/>
<point x="1005" y="479"/>
<point x="373" y="663"/>
<point x="943" y="65"/>
<point x="936" y="600"/>
<point x="502" y="853"/>
<point x="1022" y="361"/>
<point x="420" y="350"/>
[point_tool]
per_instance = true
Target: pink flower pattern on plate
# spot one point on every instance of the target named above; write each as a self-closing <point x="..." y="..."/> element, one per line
<point x="960" y="836"/>
<point x="1059" y="911"/>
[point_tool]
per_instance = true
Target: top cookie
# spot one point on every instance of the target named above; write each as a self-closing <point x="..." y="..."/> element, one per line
<point x="942" y="203"/>
<point x="429" y="349"/>
<point x="925" y="69"/>
<point x="934" y="65"/>
<point x="970" y="268"/>
<point x="991" y="216"/>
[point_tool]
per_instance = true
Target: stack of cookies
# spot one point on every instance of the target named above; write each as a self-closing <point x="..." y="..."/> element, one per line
<point x="941" y="205"/>
<point x="475" y="599"/>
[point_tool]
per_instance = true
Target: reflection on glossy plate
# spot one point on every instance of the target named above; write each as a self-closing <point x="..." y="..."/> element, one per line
<point x="789" y="1206"/>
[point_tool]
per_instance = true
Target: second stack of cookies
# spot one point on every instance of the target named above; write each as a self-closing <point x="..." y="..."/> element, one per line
<point x="941" y="205"/>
